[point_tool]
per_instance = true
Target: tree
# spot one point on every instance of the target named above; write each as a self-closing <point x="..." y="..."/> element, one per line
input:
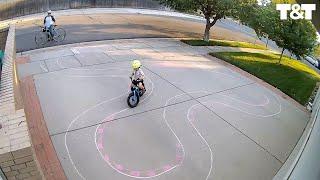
<point x="297" y="36"/>
<point x="255" y="19"/>
<point x="212" y="10"/>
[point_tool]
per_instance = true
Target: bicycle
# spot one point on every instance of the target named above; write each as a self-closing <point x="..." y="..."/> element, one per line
<point x="134" y="96"/>
<point x="44" y="36"/>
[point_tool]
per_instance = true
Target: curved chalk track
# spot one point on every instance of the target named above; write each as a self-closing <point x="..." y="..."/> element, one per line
<point x="180" y="151"/>
<point x="74" y="121"/>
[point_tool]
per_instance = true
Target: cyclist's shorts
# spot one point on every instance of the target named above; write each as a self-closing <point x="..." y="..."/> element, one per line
<point x="137" y="82"/>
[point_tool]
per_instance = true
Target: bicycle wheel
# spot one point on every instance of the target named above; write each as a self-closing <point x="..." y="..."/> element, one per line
<point x="60" y="35"/>
<point x="41" y="38"/>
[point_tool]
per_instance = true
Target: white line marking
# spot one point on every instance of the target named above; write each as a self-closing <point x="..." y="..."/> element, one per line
<point x="43" y="67"/>
<point x="74" y="120"/>
<point x="203" y="139"/>
<point x="86" y="111"/>
<point x="164" y="117"/>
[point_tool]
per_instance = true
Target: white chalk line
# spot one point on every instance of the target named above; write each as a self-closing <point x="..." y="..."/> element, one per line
<point x="267" y="101"/>
<point x="203" y="139"/>
<point x="172" y="131"/>
<point x="93" y="69"/>
<point x="61" y="66"/>
<point x="137" y="177"/>
<point x="164" y="116"/>
<point x="70" y="158"/>
<point x="43" y="68"/>
<point x="249" y="113"/>
<point x="86" y="111"/>
<point x="188" y="117"/>
<point x="75" y="119"/>
<point x="200" y="135"/>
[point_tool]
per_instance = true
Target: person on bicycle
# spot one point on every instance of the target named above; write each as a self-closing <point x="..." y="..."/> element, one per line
<point x="137" y="75"/>
<point x="49" y="23"/>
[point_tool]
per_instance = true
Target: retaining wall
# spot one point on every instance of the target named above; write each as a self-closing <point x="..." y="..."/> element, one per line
<point x="16" y="8"/>
<point x="16" y="157"/>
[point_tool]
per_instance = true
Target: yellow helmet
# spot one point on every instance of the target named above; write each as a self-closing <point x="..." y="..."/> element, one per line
<point x="136" y="64"/>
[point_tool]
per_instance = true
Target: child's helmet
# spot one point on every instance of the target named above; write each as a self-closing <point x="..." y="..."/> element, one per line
<point x="136" y="64"/>
<point x="49" y="11"/>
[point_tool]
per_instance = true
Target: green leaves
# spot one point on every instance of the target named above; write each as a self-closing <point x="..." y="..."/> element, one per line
<point x="213" y="10"/>
<point x="209" y="8"/>
<point x="182" y="5"/>
<point x="297" y="36"/>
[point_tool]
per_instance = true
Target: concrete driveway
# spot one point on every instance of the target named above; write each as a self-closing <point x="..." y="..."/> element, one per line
<point x="197" y="120"/>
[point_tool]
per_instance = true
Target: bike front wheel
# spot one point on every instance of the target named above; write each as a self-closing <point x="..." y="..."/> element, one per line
<point x="41" y="38"/>
<point x="133" y="100"/>
<point x="60" y="35"/>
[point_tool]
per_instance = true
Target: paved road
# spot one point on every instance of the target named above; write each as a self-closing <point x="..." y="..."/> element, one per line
<point x="198" y="119"/>
<point x="93" y="26"/>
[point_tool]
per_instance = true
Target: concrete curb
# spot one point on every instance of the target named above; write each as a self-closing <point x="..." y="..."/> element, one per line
<point x="41" y="142"/>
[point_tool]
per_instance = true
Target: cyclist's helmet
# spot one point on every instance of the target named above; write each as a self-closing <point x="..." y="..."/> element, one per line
<point x="136" y="64"/>
<point x="49" y="12"/>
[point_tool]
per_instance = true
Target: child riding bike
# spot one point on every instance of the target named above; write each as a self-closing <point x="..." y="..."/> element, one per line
<point x="137" y="75"/>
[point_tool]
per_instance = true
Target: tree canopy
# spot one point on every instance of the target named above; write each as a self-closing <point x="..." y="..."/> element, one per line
<point x="297" y="36"/>
<point x="212" y="10"/>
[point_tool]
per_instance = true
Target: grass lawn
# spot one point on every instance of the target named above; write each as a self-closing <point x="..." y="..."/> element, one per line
<point x="3" y="26"/>
<point x="291" y="76"/>
<point x="198" y="42"/>
<point x="317" y="51"/>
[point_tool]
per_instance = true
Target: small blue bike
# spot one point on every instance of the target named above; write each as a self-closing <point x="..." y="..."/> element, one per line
<point x="135" y="94"/>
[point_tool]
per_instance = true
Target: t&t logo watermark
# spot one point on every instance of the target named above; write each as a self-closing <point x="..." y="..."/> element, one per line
<point x="303" y="11"/>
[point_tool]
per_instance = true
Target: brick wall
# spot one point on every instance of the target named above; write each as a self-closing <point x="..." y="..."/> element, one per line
<point x="3" y="38"/>
<point x="17" y="160"/>
<point x="19" y="164"/>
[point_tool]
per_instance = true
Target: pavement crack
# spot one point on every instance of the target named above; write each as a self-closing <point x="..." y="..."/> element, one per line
<point x="230" y="124"/>
<point x="120" y="118"/>
<point x="240" y="131"/>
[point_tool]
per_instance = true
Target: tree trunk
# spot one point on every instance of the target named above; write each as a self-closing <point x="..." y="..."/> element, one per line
<point x="209" y="24"/>
<point x="206" y="36"/>
<point x="281" y="56"/>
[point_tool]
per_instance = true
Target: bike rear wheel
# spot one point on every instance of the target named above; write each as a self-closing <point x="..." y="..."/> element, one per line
<point x="41" y="38"/>
<point x="60" y="35"/>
